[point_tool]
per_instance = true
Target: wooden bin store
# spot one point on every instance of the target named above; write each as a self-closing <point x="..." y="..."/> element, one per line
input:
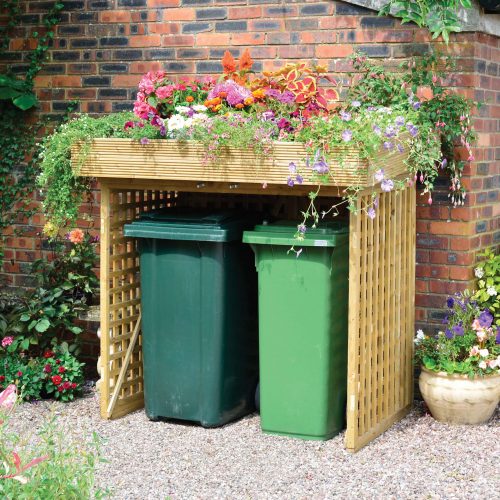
<point x="135" y="178"/>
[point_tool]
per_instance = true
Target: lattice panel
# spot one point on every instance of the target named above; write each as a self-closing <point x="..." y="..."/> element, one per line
<point x="121" y="384"/>
<point x="381" y="316"/>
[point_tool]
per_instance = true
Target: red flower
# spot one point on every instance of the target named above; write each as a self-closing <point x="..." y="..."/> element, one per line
<point x="73" y="385"/>
<point x="228" y="62"/>
<point x="61" y="369"/>
<point x="19" y="374"/>
<point x="67" y="385"/>
<point x="48" y="354"/>
<point x="47" y="369"/>
<point x="246" y="62"/>
<point x="60" y="388"/>
<point x="2" y="378"/>
<point x="58" y="361"/>
<point x="56" y="379"/>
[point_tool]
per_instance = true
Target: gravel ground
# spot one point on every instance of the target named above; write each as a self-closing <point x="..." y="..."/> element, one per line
<point x="417" y="458"/>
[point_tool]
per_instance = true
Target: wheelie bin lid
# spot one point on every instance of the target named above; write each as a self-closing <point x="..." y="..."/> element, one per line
<point x="189" y="225"/>
<point x="328" y="234"/>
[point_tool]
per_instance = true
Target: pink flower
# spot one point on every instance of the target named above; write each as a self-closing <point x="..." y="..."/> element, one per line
<point x="142" y="109"/>
<point x="141" y="97"/>
<point x="482" y="335"/>
<point x="474" y="351"/>
<point x="164" y="92"/>
<point x="476" y="326"/>
<point x="8" y="397"/>
<point x="146" y="85"/>
<point x="7" y="341"/>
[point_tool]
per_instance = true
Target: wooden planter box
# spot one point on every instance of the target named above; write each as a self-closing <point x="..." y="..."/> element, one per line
<point x="174" y="161"/>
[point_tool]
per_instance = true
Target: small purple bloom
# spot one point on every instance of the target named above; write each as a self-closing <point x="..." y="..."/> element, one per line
<point x="416" y="105"/>
<point x="292" y="167"/>
<point x="400" y="148"/>
<point x="400" y="121"/>
<point x="448" y="333"/>
<point x="458" y="330"/>
<point x="355" y="104"/>
<point x="284" y="124"/>
<point x="344" y="115"/>
<point x="301" y="228"/>
<point x="375" y="202"/>
<point x="371" y="213"/>
<point x="163" y="130"/>
<point x="390" y="131"/>
<point x="321" y="167"/>
<point x="299" y="179"/>
<point x="346" y="135"/>
<point x="377" y="129"/>
<point x="387" y="185"/>
<point x="450" y="302"/>
<point x="444" y="162"/>
<point x="268" y="115"/>
<point x="485" y="319"/>
<point x="497" y="338"/>
<point x="413" y="129"/>
<point x="388" y="145"/>
<point x="144" y="140"/>
<point x="370" y="108"/>
<point x="379" y="175"/>
<point x="290" y="182"/>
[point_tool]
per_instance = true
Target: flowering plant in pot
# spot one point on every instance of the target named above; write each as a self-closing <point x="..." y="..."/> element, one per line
<point x="460" y="378"/>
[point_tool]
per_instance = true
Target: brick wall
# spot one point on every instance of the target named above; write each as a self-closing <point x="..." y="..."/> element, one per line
<point x="102" y="47"/>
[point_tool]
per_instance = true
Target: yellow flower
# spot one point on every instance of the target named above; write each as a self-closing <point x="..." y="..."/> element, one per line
<point x="50" y="229"/>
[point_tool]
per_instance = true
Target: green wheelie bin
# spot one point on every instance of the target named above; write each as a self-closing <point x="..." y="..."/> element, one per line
<point x="303" y="300"/>
<point x="199" y="315"/>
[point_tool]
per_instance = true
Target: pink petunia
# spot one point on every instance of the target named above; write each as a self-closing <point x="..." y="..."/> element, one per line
<point x="7" y="341"/>
<point x="164" y="92"/>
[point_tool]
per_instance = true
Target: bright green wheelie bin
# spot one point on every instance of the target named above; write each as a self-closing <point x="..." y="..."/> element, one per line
<point x="303" y="300"/>
<point x="199" y="315"/>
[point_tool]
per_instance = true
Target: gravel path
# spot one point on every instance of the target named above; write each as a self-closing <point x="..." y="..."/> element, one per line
<point x="417" y="458"/>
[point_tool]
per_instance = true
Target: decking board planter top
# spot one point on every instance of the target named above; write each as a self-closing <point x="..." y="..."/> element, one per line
<point x="135" y="177"/>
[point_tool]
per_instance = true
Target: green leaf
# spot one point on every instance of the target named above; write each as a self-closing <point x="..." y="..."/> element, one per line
<point x="25" y="317"/>
<point x="25" y="344"/>
<point x="42" y="325"/>
<point x="25" y="101"/>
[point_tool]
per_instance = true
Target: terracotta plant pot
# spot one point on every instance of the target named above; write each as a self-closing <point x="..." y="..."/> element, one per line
<point x="457" y="399"/>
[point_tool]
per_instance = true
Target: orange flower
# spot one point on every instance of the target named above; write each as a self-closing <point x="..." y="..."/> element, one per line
<point x="228" y="62"/>
<point x="259" y="94"/>
<point x="246" y="61"/>
<point x="424" y="93"/>
<point x="248" y="101"/>
<point x="239" y="106"/>
<point x="76" y="236"/>
<point x="223" y="95"/>
<point x="189" y="98"/>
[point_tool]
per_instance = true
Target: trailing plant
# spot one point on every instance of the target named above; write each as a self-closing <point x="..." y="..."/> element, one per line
<point x="438" y="16"/>
<point x="487" y="273"/>
<point x="470" y="343"/>
<point x="45" y="463"/>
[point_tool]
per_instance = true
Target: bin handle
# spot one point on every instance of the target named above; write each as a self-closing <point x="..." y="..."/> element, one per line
<point x="125" y="364"/>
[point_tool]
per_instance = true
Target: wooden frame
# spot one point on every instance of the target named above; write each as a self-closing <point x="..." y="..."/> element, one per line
<point x="381" y="295"/>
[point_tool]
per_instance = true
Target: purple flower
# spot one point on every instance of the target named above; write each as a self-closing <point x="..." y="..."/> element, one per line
<point x="444" y="162"/>
<point x="268" y="115"/>
<point x="370" y="108"/>
<point x="290" y="182"/>
<point x="355" y="104"/>
<point x="299" y="179"/>
<point x="416" y="105"/>
<point x="450" y="302"/>
<point x="387" y="185"/>
<point x="485" y="319"/>
<point x="448" y="333"/>
<point x="497" y="338"/>
<point x="390" y="131"/>
<point x="346" y="135"/>
<point x="400" y="148"/>
<point x="413" y="129"/>
<point x="375" y="202"/>
<point x="284" y="124"/>
<point x="144" y="140"/>
<point x="371" y="213"/>
<point x="321" y="167"/>
<point x="400" y="121"/>
<point x="379" y="175"/>
<point x="388" y="145"/>
<point x="344" y="115"/>
<point x="236" y="94"/>
<point x="458" y="330"/>
<point x="292" y="167"/>
<point x="286" y="97"/>
<point x="377" y="129"/>
<point x="301" y="228"/>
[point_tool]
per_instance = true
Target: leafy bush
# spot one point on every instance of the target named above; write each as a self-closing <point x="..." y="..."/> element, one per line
<point x="45" y="465"/>
<point x="487" y="292"/>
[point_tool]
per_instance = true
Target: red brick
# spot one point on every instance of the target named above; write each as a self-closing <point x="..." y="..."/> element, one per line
<point x="244" y="12"/>
<point x="164" y="3"/>
<point x="334" y="50"/>
<point x="126" y="80"/>
<point x="446" y="287"/>
<point x="182" y="14"/>
<point x="246" y="39"/>
<point x="164" y="28"/>
<point x="210" y="39"/>
<point x="145" y="41"/>
<point x="335" y="22"/>
<point x="460" y="273"/>
<point x="142" y="67"/>
<point x="115" y="16"/>
<point x="454" y="228"/>
<point x="296" y="52"/>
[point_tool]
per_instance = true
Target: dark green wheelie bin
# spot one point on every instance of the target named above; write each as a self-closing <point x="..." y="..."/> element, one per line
<point x="303" y="300"/>
<point x="199" y="315"/>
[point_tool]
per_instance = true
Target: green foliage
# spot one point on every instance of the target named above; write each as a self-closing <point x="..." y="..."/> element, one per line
<point x="56" y="373"/>
<point x="19" y="91"/>
<point x="48" y="463"/>
<point x="62" y="190"/>
<point x="487" y="292"/>
<point x="469" y="345"/>
<point x="438" y="16"/>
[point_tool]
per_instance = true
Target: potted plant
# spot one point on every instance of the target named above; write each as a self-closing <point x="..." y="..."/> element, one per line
<point x="460" y="377"/>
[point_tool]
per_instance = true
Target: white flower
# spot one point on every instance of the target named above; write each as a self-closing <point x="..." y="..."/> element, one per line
<point x="183" y="110"/>
<point x="482" y="365"/>
<point x="491" y="291"/>
<point x="199" y="108"/>
<point x="479" y="272"/>
<point x="493" y="363"/>
<point x="199" y="118"/>
<point x="176" y="122"/>
<point x="484" y="353"/>
<point x="420" y="336"/>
